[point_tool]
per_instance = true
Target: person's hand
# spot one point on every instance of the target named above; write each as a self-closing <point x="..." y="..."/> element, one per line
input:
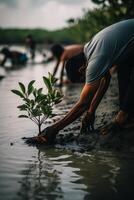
<point x="87" y="123"/>
<point x="49" y="134"/>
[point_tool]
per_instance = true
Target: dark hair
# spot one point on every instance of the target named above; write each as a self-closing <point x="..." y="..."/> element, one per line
<point x="75" y="68"/>
<point x="57" y="50"/>
<point x="6" y="51"/>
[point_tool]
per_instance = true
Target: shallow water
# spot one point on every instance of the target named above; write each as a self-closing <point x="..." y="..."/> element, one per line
<point x="28" y="173"/>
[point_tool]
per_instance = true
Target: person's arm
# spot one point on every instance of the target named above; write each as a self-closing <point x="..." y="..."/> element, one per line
<point x="83" y="103"/>
<point x="61" y="74"/>
<point x="89" y="117"/>
<point x="104" y="83"/>
<point x="56" y="67"/>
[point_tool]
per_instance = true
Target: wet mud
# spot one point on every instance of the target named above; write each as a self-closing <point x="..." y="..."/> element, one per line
<point x="71" y="139"/>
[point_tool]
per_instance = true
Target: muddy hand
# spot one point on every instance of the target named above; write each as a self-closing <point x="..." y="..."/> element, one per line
<point x="47" y="137"/>
<point x="49" y="134"/>
<point x="87" y="124"/>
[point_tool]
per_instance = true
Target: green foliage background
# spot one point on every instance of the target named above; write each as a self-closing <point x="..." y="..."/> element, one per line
<point x="78" y="30"/>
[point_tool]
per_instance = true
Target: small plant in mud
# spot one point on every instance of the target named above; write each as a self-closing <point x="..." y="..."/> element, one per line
<point x="37" y="105"/>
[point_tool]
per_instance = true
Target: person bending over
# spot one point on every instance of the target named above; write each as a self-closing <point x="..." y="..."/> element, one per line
<point x="16" y="57"/>
<point x="111" y="47"/>
<point x="72" y="59"/>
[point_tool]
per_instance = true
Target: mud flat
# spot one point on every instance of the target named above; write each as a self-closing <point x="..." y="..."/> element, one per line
<point x="70" y="138"/>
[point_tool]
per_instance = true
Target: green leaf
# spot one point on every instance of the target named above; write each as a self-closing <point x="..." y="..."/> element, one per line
<point x="57" y="100"/>
<point x="22" y="107"/>
<point x="38" y="98"/>
<point x="58" y="94"/>
<point x="22" y="87"/>
<point x="17" y="92"/>
<point x="35" y="92"/>
<point x="32" y="102"/>
<point x="40" y="91"/>
<point x="30" y="87"/>
<point x="30" y="90"/>
<point x="36" y="112"/>
<point x="43" y="102"/>
<point x="23" y="116"/>
<point x="47" y="110"/>
<point x="27" y="100"/>
<point x="47" y="83"/>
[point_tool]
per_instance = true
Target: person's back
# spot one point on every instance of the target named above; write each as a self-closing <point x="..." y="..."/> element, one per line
<point x="18" y="58"/>
<point x="70" y="51"/>
<point x="107" y="46"/>
<point x="72" y="59"/>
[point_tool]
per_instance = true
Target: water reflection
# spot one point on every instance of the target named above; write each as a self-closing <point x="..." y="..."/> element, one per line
<point x="57" y="174"/>
<point x="40" y="181"/>
<point x="51" y="177"/>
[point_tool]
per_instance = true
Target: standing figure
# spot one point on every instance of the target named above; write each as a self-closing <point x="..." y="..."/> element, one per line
<point x="30" y="43"/>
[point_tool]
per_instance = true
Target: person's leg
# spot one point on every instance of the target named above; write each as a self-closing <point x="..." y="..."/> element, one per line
<point x="32" y="51"/>
<point x="125" y="72"/>
<point x="128" y="103"/>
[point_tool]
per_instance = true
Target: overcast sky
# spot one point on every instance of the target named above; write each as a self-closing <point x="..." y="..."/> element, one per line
<point x="49" y="14"/>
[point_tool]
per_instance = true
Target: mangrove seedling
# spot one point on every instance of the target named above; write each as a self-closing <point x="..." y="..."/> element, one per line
<point x="38" y="106"/>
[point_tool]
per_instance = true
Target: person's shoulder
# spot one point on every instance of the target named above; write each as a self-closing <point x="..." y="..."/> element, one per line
<point x="73" y="46"/>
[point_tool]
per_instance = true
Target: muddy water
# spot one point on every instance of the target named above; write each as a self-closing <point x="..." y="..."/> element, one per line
<point x="28" y="173"/>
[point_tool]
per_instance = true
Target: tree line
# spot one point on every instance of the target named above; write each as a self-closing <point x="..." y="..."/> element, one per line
<point x="79" y="30"/>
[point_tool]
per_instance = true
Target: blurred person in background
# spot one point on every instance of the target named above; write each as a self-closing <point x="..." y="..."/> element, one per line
<point x="31" y="45"/>
<point x="71" y="59"/>
<point x="15" y="57"/>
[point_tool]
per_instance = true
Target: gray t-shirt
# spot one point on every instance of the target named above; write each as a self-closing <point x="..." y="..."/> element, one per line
<point x="106" y="47"/>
